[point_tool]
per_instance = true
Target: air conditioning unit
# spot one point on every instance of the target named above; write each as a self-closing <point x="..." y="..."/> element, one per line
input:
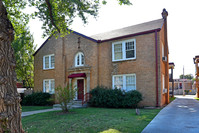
<point x="164" y="59"/>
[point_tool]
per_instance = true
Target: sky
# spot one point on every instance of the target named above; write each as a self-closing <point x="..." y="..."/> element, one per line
<point x="182" y="22"/>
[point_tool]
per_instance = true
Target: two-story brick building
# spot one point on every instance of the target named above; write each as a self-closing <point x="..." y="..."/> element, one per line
<point x="131" y="58"/>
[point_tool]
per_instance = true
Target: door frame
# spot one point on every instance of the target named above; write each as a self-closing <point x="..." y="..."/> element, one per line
<point x="76" y="97"/>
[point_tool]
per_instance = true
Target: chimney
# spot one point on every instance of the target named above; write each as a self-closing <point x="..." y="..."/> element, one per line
<point x="164" y="14"/>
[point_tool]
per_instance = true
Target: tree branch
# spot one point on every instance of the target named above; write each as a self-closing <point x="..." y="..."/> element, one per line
<point x="51" y="15"/>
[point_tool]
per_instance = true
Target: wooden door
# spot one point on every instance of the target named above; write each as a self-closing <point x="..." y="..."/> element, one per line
<point x="80" y="86"/>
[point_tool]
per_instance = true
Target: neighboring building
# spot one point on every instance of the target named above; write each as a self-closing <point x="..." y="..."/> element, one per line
<point x="196" y="62"/>
<point x="171" y="80"/>
<point x="182" y="84"/>
<point x="131" y="58"/>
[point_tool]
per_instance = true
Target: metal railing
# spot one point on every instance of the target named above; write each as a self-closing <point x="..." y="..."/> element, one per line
<point x="86" y="98"/>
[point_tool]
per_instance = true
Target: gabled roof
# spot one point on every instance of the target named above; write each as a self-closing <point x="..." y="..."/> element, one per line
<point x="89" y="38"/>
<point x="139" y="29"/>
<point x="131" y="30"/>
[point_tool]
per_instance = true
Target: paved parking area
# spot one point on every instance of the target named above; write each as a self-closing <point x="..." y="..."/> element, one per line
<point x="180" y="116"/>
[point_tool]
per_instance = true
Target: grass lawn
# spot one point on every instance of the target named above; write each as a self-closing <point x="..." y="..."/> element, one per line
<point x="32" y="108"/>
<point x="196" y="98"/>
<point x="89" y="120"/>
<point x="172" y="98"/>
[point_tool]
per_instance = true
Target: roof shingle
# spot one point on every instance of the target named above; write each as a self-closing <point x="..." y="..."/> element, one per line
<point x="148" y="26"/>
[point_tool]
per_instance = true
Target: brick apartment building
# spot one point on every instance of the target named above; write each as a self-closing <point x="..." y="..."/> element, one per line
<point x="131" y="58"/>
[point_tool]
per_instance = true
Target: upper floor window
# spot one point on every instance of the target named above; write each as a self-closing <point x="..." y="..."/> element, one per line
<point x="124" y="50"/>
<point x="49" y="61"/>
<point x="162" y="50"/>
<point x="126" y="82"/>
<point x="79" y="59"/>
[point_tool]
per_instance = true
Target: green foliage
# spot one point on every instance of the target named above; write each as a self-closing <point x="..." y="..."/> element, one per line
<point x="23" y="51"/>
<point x="186" y="91"/>
<point x="171" y="99"/>
<point x="37" y="99"/>
<point x="114" y="98"/>
<point x="23" y="41"/>
<point x="132" y="98"/>
<point x="65" y="95"/>
<point x="57" y="15"/>
<point x="111" y="131"/>
<point x="188" y="76"/>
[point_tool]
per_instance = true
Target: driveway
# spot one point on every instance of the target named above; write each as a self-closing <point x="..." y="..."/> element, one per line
<point x="180" y="116"/>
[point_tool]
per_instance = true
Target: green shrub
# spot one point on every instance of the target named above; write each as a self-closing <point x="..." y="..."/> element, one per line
<point x="65" y="95"/>
<point x="114" y="98"/>
<point x="132" y="98"/>
<point x="37" y="99"/>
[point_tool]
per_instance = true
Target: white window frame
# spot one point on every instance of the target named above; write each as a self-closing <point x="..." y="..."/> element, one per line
<point x="162" y="50"/>
<point x="123" y="50"/>
<point x="50" y="67"/>
<point x="124" y="80"/>
<point x="50" y="87"/>
<point x="80" y="59"/>
<point x="163" y="83"/>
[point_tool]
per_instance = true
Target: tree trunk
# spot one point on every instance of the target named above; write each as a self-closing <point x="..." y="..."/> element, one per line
<point x="10" y="109"/>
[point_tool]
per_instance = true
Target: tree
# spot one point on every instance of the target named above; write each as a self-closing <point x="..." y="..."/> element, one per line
<point x="56" y="15"/>
<point x="188" y="76"/>
<point x="23" y="51"/>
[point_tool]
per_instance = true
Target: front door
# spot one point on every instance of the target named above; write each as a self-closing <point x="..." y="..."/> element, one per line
<point x="80" y="86"/>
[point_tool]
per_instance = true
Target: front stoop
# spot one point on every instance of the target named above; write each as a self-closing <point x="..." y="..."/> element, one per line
<point x="72" y="105"/>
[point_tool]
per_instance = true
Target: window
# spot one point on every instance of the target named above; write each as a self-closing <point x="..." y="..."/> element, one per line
<point x="162" y="50"/>
<point x="79" y="59"/>
<point x="124" y="50"/>
<point x="49" y="62"/>
<point x="49" y="86"/>
<point x="163" y="83"/>
<point x="125" y="82"/>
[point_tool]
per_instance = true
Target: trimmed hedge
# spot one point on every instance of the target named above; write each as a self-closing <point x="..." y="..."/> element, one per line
<point x="37" y="99"/>
<point x="114" y="98"/>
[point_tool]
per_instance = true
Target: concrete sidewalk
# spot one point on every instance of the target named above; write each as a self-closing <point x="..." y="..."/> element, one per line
<point x="23" y="114"/>
<point x="180" y="116"/>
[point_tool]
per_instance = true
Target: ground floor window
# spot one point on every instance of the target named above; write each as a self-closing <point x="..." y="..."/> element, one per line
<point x="49" y="86"/>
<point x="126" y="82"/>
<point x="163" y="83"/>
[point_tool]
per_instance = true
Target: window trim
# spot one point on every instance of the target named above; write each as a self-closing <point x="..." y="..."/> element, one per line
<point x="124" y="80"/>
<point x="123" y="50"/>
<point x="163" y="55"/>
<point x="80" y="59"/>
<point x="50" y="88"/>
<point x="50" y="67"/>
<point x="163" y="83"/>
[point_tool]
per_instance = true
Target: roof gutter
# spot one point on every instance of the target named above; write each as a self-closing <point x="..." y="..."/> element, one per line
<point x="156" y="67"/>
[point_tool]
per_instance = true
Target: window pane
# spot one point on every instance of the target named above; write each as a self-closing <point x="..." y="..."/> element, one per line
<point x="78" y="60"/>
<point x="46" y="85"/>
<point x="118" y="82"/>
<point x="47" y="62"/>
<point x="130" y="52"/>
<point x="52" y="61"/>
<point x="129" y="45"/>
<point x="130" y="82"/>
<point x="82" y="62"/>
<point x="52" y="89"/>
<point x="118" y="51"/>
